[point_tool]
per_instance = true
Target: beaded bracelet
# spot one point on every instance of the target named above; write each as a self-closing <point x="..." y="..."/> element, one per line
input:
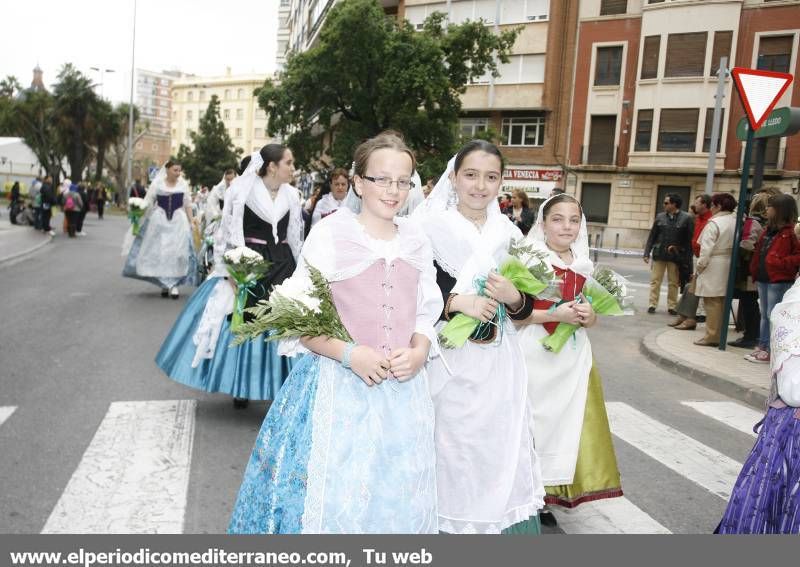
<point x="447" y="306"/>
<point x="348" y="350"/>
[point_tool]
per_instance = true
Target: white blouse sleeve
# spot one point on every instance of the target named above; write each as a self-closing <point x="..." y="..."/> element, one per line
<point x="296" y="228"/>
<point x="788" y="379"/>
<point x="429" y="306"/>
<point x="319" y="252"/>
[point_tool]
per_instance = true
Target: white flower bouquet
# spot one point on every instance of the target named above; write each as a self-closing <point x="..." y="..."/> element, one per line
<point x="245" y="267"/>
<point x="136" y="209"/>
<point x="296" y="310"/>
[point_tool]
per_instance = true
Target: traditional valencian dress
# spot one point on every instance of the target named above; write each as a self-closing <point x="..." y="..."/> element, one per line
<point x="197" y="351"/>
<point x="569" y="420"/>
<point x="163" y="251"/>
<point x="766" y="496"/>
<point x="334" y="455"/>
<point x="488" y="476"/>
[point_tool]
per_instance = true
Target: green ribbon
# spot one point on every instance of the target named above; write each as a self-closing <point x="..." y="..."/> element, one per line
<point x="242" y="289"/>
<point x="134" y="216"/>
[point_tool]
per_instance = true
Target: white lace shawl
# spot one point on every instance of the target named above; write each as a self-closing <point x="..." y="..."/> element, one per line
<point x="341" y="249"/>
<point x="785" y="347"/>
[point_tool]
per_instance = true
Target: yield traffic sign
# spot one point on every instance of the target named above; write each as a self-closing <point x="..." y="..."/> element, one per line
<point x="760" y="91"/>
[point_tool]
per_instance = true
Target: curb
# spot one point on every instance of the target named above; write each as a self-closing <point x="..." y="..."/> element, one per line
<point x="753" y="396"/>
<point x="13" y="258"/>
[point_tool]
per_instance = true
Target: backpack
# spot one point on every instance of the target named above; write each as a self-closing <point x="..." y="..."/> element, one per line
<point x="69" y="204"/>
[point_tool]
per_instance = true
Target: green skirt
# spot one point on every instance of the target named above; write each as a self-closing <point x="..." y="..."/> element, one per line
<point x="596" y="472"/>
<point x="531" y="526"/>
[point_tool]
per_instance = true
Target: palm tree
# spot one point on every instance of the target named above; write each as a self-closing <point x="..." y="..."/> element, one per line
<point x="75" y="103"/>
<point x="106" y="130"/>
<point x="9" y="87"/>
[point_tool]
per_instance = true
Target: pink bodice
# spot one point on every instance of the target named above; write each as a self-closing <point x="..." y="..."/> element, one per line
<point x="379" y="305"/>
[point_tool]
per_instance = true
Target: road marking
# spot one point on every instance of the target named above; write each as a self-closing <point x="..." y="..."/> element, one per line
<point x="731" y="414"/>
<point x="5" y="413"/>
<point x="699" y="463"/>
<point x="610" y="516"/>
<point x="134" y="476"/>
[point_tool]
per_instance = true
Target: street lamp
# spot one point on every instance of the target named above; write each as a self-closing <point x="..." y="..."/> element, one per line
<point x="102" y="77"/>
<point x="130" y="104"/>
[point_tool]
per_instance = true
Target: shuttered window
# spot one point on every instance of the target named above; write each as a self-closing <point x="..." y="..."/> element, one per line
<point x="595" y="198"/>
<point x="775" y="53"/>
<point x="644" y="131"/>
<point x="677" y="129"/>
<point x="722" y="48"/>
<point x="652" y="43"/>
<point x="686" y="54"/>
<point x="611" y="7"/>
<point x="608" y="66"/>
<point x="601" y="140"/>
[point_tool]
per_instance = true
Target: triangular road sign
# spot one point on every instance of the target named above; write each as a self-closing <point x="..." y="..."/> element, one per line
<point x="760" y="91"/>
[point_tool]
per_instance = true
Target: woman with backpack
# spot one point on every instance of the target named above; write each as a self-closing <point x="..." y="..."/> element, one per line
<point x="774" y="265"/>
<point x="72" y="204"/>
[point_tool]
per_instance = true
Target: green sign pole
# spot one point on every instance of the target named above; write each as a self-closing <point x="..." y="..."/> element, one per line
<point x="737" y="236"/>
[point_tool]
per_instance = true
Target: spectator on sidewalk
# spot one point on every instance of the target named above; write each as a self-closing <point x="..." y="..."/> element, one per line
<point x="556" y="191"/>
<point x="670" y="240"/>
<point x="687" y="306"/>
<point x="36" y="202"/>
<point x="520" y="211"/>
<point x="48" y="200"/>
<point x="748" y="315"/>
<point x="14" y="204"/>
<point x="713" y="264"/>
<point x="774" y="265"/>
<point x="101" y="198"/>
<point x="137" y="190"/>
<point x="73" y="205"/>
<point x="84" y="208"/>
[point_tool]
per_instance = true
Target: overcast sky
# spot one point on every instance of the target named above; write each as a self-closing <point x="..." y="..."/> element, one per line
<point x="194" y="36"/>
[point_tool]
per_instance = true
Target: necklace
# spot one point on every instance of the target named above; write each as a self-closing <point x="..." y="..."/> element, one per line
<point x="272" y="192"/>
<point x="477" y="221"/>
<point x="561" y="254"/>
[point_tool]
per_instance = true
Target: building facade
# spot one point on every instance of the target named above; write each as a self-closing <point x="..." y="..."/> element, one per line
<point x="239" y="110"/>
<point x="643" y="104"/>
<point x="154" y="102"/>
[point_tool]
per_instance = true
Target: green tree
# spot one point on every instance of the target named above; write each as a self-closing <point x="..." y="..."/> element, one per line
<point x="10" y="87"/>
<point x="106" y="128"/>
<point x="74" y="105"/>
<point x="116" y="155"/>
<point x="368" y="73"/>
<point x="212" y="152"/>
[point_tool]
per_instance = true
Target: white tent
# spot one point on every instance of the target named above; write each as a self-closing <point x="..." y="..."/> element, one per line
<point x="17" y="163"/>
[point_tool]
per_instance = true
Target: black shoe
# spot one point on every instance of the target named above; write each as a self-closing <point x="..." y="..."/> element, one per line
<point x="672" y="312"/>
<point x="547" y="518"/>
<point x="651" y="310"/>
<point x="240" y="403"/>
<point x="700" y="318"/>
<point x="165" y="292"/>
<point x="743" y="343"/>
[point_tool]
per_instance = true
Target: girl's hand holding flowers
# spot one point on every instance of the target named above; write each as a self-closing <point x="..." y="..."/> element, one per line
<point x="501" y="289"/>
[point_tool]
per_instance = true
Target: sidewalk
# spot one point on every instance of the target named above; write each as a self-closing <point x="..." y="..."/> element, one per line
<point x="17" y="242"/>
<point x="725" y="372"/>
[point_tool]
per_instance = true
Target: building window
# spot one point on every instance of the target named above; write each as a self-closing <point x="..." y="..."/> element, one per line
<point x="601" y="140"/>
<point x="644" y="131"/>
<point x="677" y="129"/>
<point x="686" y="54"/>
<point x="139" y="145"/>
<point x="226" y="113"/>
<point x="709" y="125"/>
<point x="608" y="66"/>
<point x="523" y="131"/>
<point x="174" y="132"/>
<point x="227" y="94"/>
<point x="240" y="93"/>
<point x="155" y="147"/>
<point x="201" y="96"/>
<point x="722" y="48"/>
<point x="259" y="133"/>
<point x="652" y="44"/>
<point x="595" y="198"/>
<point x="189" y="115"/>
<point x="655" y="1"/>
<point x="190" y="95"/>
<point x="260" y="113"/>
<point x="239" y="114"/>
<point x="238" y="132"/>
<point x="775" y="53"/>
<point x="470" y="127"/>
<point x="612" y="7"/>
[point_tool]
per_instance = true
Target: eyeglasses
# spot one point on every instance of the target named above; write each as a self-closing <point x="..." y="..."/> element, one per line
<point x="386" y="182"/>
<point x="667" y="202"/>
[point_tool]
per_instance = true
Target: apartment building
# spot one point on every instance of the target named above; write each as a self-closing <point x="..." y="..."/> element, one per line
<point x="643" y="102"/>
<point x="239" y="110"/>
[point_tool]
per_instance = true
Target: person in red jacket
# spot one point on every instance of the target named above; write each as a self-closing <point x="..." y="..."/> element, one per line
<point x="774" y="265"/>
<point x="687" y="306"/>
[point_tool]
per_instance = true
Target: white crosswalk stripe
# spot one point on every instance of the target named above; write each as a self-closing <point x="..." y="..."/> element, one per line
<point x="612" y="516"/>
<point x="732" y="414"/>
<point x="134" y="476"/>
<point x="5" y="413"/>
<point x="699" y="463"/>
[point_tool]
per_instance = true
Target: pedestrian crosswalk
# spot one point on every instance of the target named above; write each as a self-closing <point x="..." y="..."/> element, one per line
<point x="5" y="412"/>
<point x="134" y="475"/>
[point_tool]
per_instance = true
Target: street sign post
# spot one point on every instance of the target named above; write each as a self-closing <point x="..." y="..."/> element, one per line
<point x="759" y="92"/>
